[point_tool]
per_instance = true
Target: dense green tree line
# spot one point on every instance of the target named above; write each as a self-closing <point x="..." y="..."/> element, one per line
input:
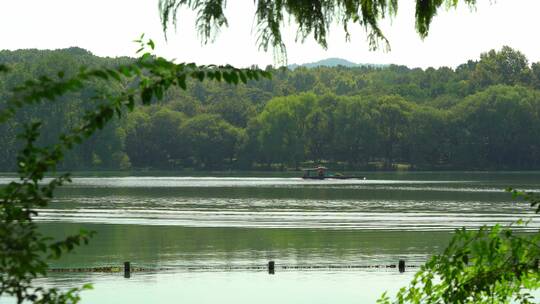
<point x="484" y="114"/>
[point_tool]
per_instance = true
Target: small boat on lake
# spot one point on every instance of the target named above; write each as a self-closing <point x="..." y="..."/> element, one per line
<point x="322" y="173"/>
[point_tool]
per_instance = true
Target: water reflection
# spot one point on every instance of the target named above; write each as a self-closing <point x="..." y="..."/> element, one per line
<point x="236" y="287"/>
<point x="183" y="247"/>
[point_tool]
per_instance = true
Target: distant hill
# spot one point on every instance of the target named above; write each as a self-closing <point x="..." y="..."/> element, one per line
<point x="332" y="62"/>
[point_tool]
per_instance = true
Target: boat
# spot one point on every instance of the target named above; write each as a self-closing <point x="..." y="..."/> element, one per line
<point x="322" y="173"/>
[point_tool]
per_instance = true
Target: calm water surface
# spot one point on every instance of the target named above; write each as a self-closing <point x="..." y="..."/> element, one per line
<point x="207" y="233"/>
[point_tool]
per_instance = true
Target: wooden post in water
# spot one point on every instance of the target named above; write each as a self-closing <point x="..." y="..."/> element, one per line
<point x="127" y="270"/>
<point x="401" y="266"/>
<point x="271" y="267"/>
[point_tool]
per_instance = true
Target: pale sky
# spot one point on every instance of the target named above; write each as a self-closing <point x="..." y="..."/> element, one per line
<point x="107" y="28"/>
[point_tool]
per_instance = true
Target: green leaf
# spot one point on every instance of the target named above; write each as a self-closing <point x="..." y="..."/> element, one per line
<point x="3" y="68"/>
<point x="242" y="77"/>
<point x="158" y="92"/>
<point x="113" y="74"/>
<point x="101" y="74"/>
<point x="131" y="103"/>
<point x="181" y="79"/>
<point x="151" y="44"/>
<point x="146" y="95"/>
<point x="198" y="75"/>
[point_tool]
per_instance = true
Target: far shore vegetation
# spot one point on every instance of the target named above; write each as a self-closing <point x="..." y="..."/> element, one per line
<point x="58" y="110"/>
<point x="482" y="115"/>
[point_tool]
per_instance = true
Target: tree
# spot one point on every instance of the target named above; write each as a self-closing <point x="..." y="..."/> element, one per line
<point x="212" y="139"/>
<point x="283" y="127"/>
<point x="277" y="131"/>
<point x="139" y="145"/>
<point x="498" y="127"/>
<point x="536" y="74"/>
<point x="318" y="134"/>
<point x="154" y="139"/>
<point x="166" y="133"/>
<point x="506" y="66"/>
<point x="392" y="119"/>
<point x="236" y="111"/>
<point x="355" y="130"/>
<point x="428" y="137"/>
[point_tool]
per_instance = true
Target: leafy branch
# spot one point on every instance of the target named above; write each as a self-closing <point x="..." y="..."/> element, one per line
<point x="491" y="265"/>
<point x="313" y="18"/>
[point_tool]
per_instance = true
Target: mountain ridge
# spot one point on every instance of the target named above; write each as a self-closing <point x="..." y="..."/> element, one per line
<point x="332" y="62"/>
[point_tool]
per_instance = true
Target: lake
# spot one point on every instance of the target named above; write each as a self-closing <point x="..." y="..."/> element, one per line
<point x="208" y="239"/>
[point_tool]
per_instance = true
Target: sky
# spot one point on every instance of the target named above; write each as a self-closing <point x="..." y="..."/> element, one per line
<point x="108" y="27"/>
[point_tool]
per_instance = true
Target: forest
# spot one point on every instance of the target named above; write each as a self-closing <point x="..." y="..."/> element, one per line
<point x="482" y="115"/>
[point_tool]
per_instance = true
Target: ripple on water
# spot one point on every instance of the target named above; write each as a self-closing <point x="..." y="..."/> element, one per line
<point x="328" y="204"/>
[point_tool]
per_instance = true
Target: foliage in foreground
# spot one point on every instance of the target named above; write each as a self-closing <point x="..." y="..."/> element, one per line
<point x="24" y="251"/>
<point x="490" y="265"/>
<point x="313" y="18"/>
